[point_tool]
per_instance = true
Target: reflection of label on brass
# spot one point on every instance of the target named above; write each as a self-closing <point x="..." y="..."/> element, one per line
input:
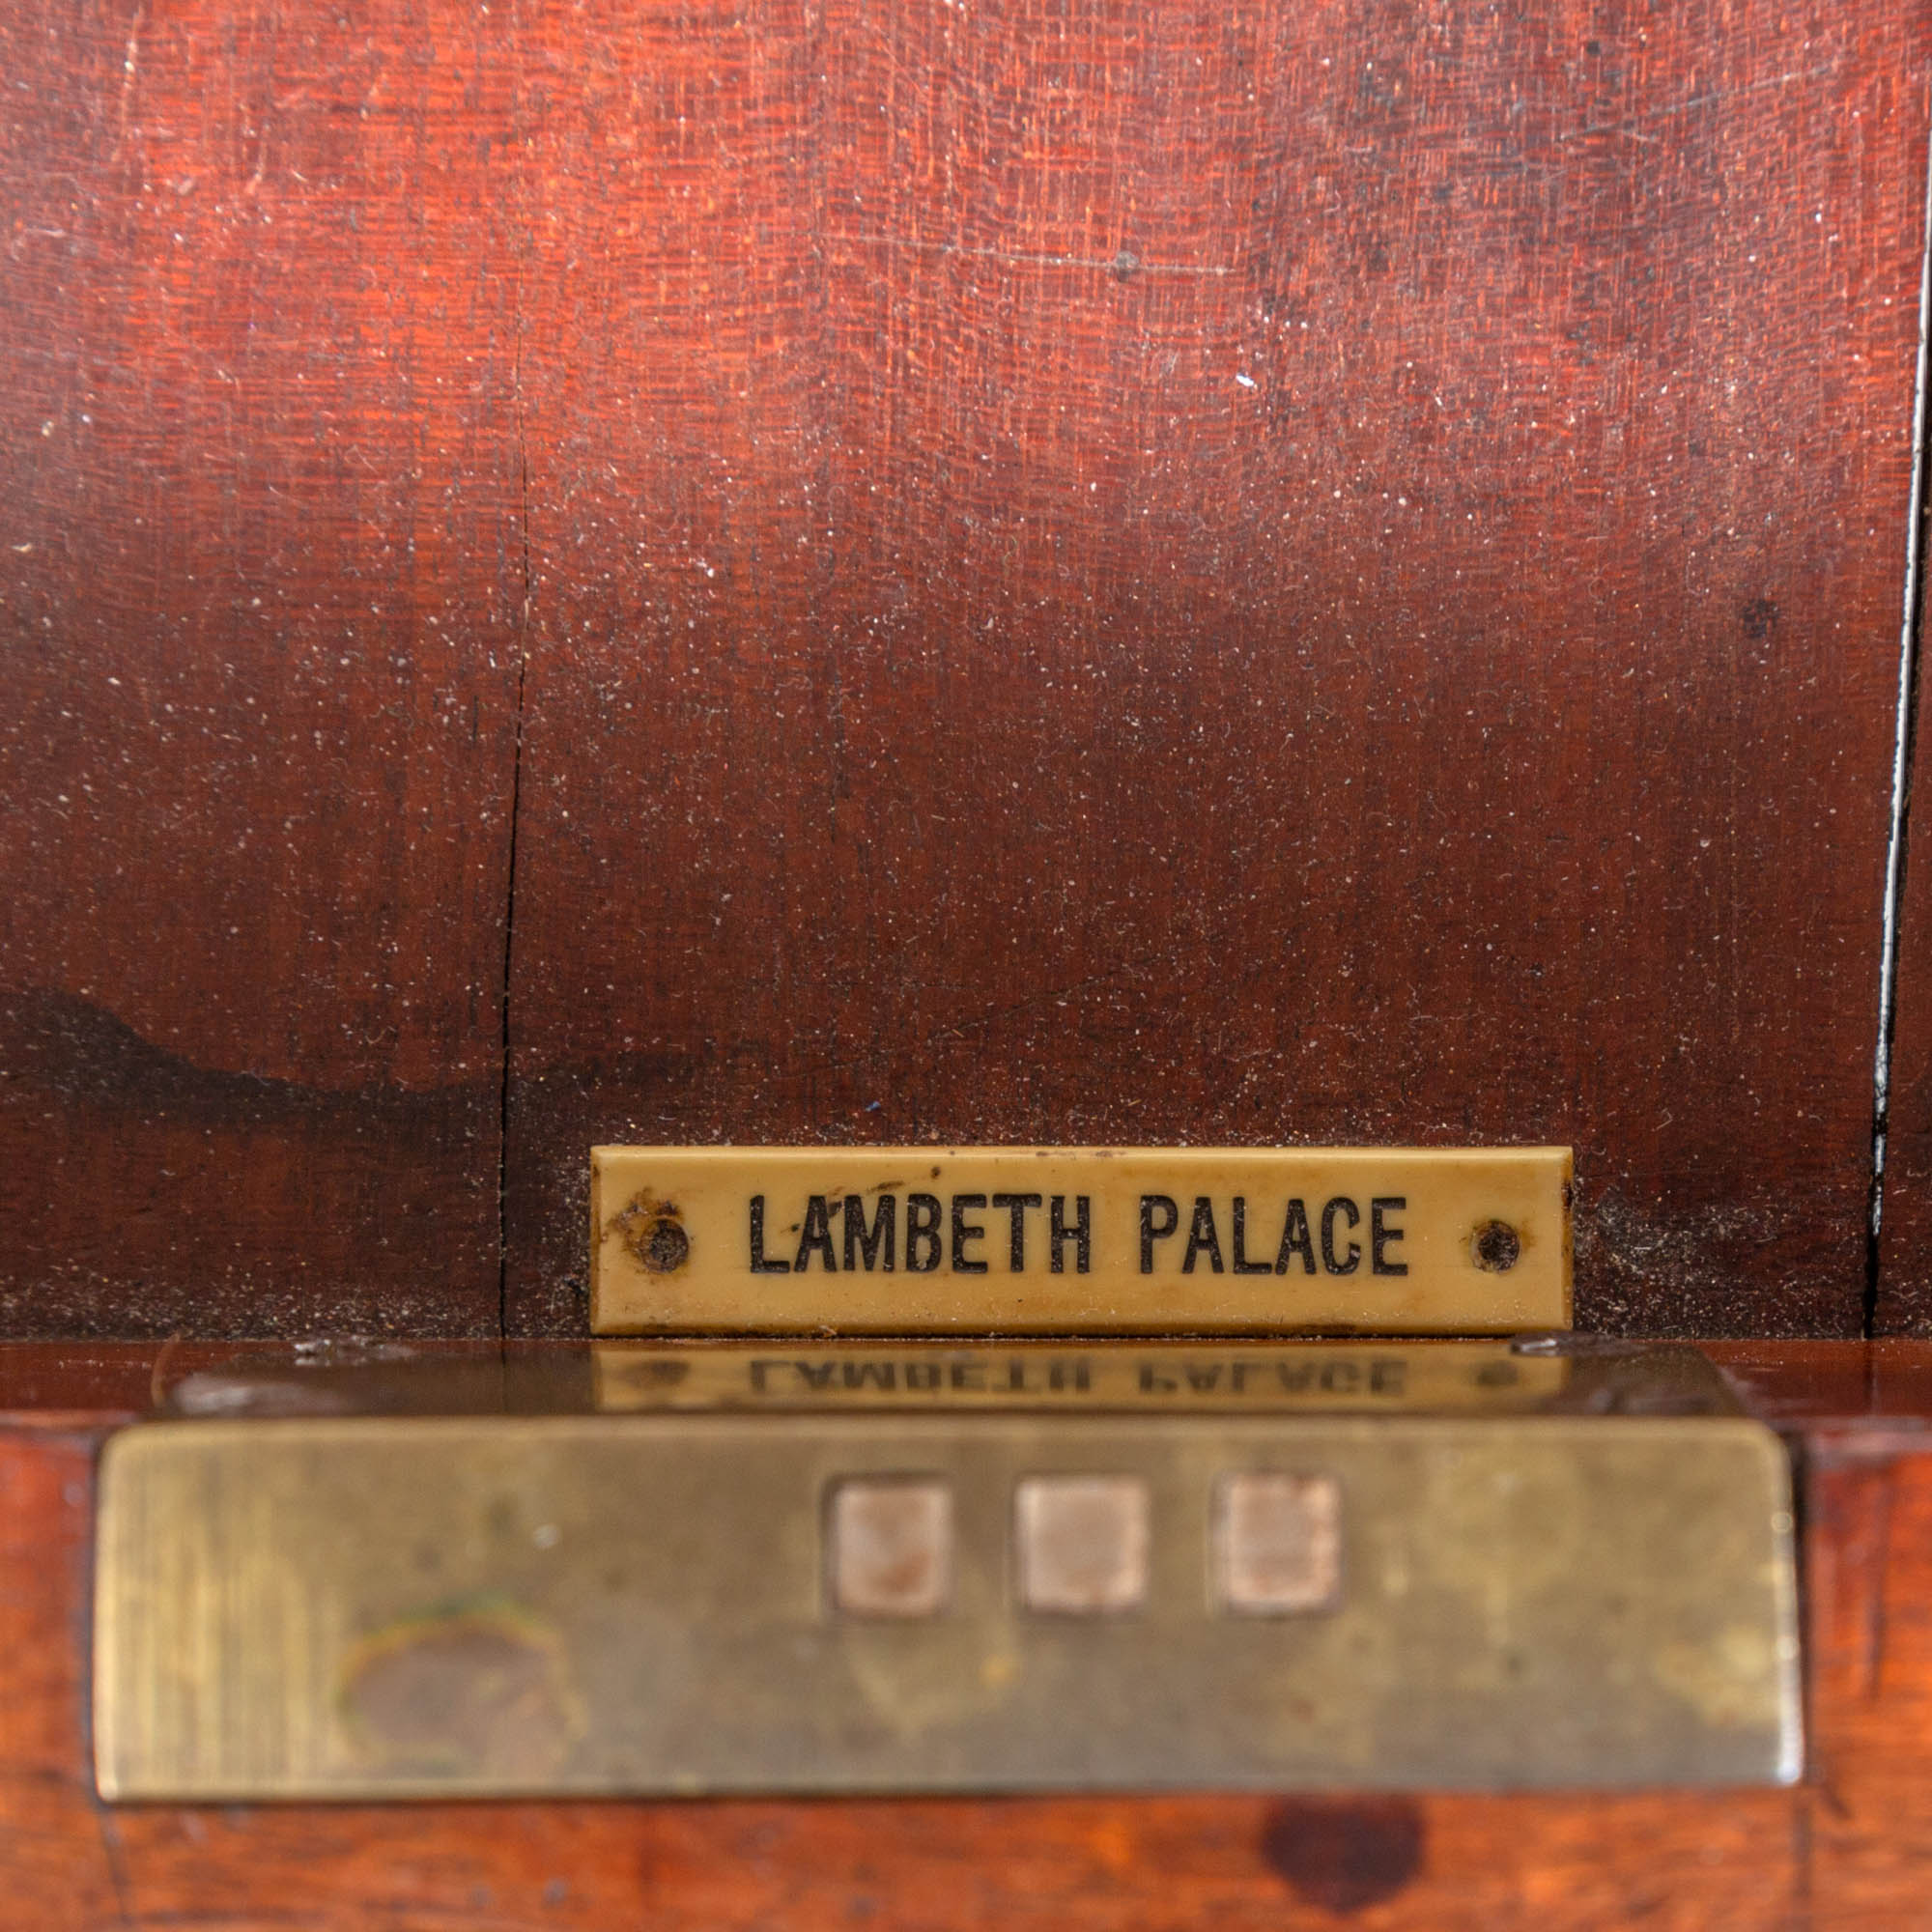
<point x="1079" y="1240"/>
<point x="1442" y="1375"/>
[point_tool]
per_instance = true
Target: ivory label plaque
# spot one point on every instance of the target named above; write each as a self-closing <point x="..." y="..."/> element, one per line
<point x="1079" y="1240"/>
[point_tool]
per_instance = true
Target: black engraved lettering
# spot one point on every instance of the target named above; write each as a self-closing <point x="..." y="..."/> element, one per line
<point x="1016" y="1205"/>
<point x="1081" y="1235"/>
<point x="1341" y="1205"/>
<point x="1152" y="1381"/>
<point x="1152" y="1231"/>
<point x="1296" y="1239"/>
<point x="1381" y="1233"/>
<point x="922" y="1248"/>
<point x="1242" y="1264"/>
<point x="815" y="1237"/>
<point x="760" y="1263"/>
<point x="859" y="1243"/>
<point x="925" y="1374"/>
<point x="1202" y="1237"/>
<point x="964" y="1230"/>
<point x="878" y="1374"/>
<point x="817" y="1375"/>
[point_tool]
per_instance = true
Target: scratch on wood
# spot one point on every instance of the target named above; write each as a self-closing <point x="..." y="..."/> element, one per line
<point x="1124" y="264"/>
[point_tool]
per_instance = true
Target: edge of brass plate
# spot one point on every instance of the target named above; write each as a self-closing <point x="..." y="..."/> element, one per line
<point x="1079" y="1240"/>
<point x="641" y="1604"/>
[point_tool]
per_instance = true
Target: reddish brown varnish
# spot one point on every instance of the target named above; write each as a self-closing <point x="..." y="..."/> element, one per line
<point x="1904" y="1283"/>
<point x="1094" y="572"/>
<point x="1850" y="1847"/>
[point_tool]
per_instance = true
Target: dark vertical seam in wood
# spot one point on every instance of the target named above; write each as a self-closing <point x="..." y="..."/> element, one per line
<point x="509" y="945"/>
<point x="1898" y="831"/>
<point x="523" y="645"/>
<point x="824" y="409"/>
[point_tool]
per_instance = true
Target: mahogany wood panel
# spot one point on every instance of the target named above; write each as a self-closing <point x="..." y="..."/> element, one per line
<point x="1869" y="1582"/>
<point x="1095" y="571"/>
<point x="259" y="619"/>
<point x="1114" y="571"/>
<point x="1904" y="1299"/>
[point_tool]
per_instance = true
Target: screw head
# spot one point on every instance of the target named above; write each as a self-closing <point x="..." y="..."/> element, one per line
<point x="1496" y="1247"/>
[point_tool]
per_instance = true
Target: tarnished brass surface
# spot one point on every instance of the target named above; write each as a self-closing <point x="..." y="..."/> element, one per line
<point x="1079" y="1240"/>
<point x="713" y="1601"/>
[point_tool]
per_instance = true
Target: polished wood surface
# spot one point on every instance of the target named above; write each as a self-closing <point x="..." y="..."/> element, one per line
<point x="1868" y="1549"/>
<point x="1849" y="1848"/>
<point x="1021" y="572"/>
<point x="1228" y="581"/>
<point x="1902" y="1300"/>
<point x="262" y="595"/>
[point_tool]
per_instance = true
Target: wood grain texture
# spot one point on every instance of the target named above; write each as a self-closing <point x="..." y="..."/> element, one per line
<point x="1851" y="1848"/>
<point x="263" y="576"/>
<point x="1869" y="1582"/>
<point x="1098" y="572"/>
<point x="1146" y="574"/>
<point x="1904" y="1298"/>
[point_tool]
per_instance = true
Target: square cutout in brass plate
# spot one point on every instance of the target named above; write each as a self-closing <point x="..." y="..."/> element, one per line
<point x="1081" y="1543"/>
<point x="1278" y="1543"/>
<point x="890" y="1546"/>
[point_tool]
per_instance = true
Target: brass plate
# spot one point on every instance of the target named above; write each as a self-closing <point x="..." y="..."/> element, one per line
<point x="386" y="1608"/>
<point x="1074" y="1240"/>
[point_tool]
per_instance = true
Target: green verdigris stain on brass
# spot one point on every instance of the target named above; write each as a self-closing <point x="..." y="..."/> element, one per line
<point x="473" y="1688"/>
